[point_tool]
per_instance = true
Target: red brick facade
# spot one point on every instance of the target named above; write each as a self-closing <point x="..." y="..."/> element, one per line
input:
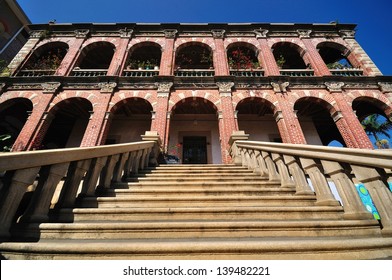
<point x="281" y="89"/>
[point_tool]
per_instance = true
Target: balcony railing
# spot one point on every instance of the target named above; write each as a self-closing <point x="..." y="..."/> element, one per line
<point x="247" y="72"/>
<point x="140" y="73"/>
<point x="194" y="73"/>
<point x="297" y="72"/>
<point x="89" y="72"/>
<point x="36" y="73"/>
<point x="351" y="72"/>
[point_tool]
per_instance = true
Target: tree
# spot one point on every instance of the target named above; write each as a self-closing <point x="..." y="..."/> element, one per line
<point x="373" y="126"/>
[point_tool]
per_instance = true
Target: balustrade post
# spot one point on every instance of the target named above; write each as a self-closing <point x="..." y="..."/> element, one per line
<point x="352" y="204"/>
<point x="39" y="206"/>
<point x="323" y="192"/>
<point x="75" y="175"/>
<point x="272" y="173"/>
<point x="119" y="169"/>
<point x="129" y="164"/>
<point x="262" y="166"/>
<point x="107" y="172"/>
<point x="301" y="184"/>
<point x="92" y="176"/>
<point x="381" y="195"/>
<point x="154" y="152"/>
<point x="235" y="151"/>
<point x="22" y="179"/>
<point x="136" y="162"/>
<point x="286" y="181"/>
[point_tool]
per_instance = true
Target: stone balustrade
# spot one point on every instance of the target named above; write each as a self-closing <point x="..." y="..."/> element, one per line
<point x="140" y="73"/>
<point x="89" y="72"/>
<point x="297" y="72"/>
<point x="78" y="172"/>
<point x="297" y="166"/>
<point x="247" y="73"/>
<point x="36" y="73"/>
<point x="194" y="73"/>
<point x="350" y="72"/>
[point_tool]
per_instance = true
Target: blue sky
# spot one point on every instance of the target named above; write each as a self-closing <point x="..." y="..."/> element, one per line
<point x="374" y="18"/>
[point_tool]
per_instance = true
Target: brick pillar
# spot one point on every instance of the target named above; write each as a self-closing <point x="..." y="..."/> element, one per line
<point x="221" y="64"/>
<point x="159" y="122"/>
<point x="72" y="54"/>
<point x="167" y="59"/>
<point x="265" y="56"/>
<point x="317" y="62"/>
<point x="227" y="121"/>
<point x="120" y="53"/>
<point x="38" y="122"/>
<point x="98" y="124"/>
<point x="346" y="121"/>
<point x="16" y="62"/>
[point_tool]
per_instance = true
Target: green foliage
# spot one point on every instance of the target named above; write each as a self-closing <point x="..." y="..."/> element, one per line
<point x="4" y="138"/>
<point x="4" y="70"/>
<point x="374" y="127"/>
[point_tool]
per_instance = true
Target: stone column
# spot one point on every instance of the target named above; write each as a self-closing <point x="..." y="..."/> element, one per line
<point x="35" y="37"/>
<point x="221" y="64"/>
<point x="318" y="64"/>
<point x="98" y="123"/>
<point x="227" y="122"/>
<point x="160" y="121"/>
<point x="38" y="122"/>
<point x="346" y="121"/>
<point x="72" y="54"/>
<point x="120" y="53"/>
<point x="266" y="57"/>
<point x="167" y="59"/>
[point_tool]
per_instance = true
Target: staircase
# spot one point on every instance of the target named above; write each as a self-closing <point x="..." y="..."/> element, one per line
<point x="199" y="212"/>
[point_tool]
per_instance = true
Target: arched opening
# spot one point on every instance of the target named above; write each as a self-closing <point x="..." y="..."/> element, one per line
<point x="68" y="126"/>
<point x="242" y="56"/>
<point x="94" y="60"/>
<point x="316" y="122"/>
<point x="371" y="114"/>
<point x="194" y="132"/>
<point x="144" y="57"/>
<point x="13" y="116"/>
<point x="45" y="60"/>
<point x="289" y="56"/>
<point x="334" y="55"/>
<point x="130" y="119"/>
<point x="256" y="117"/>
<point x="194" y="56"/>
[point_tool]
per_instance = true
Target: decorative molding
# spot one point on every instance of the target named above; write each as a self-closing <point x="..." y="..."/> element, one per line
<point x="385" y="87"/>
<point x="337" y="116"/>
<point x="280" y="87"/>
<point x="107" y="87"/>
<point x="218" y="33"/>
<point x="261" y="33"/>
<point x="347" y="34"/>
<point x="334" y="86"/>
<point x="125" y="33"/>
<point x="153" y="115"/>
<point x="225" y="87"/>
<point x="164" y="88"/>
<point x="170" y="33"/>
<point x="220" y="115"/>
<point x="278" y="116"/>
<point x="81" y="33"/>
<point x="304" y="33"/>
<point x="50" y="87"/>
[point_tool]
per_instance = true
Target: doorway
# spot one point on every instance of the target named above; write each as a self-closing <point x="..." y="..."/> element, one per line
<point x="194" y="150"/>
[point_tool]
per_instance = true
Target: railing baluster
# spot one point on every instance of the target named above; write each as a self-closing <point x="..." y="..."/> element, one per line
<point x="92" y="176"/>
<point x="272" y="173"/>
<point x="301" y="184"/>
<point x="107" y="172"/>
<point x="286" y="181"/>
<point x="119" y="169"/>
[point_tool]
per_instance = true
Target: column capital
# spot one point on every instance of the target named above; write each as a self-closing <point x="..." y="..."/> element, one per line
<point x="107" y="87"/>
<point x="125" y="33"/>
<point x="81" y="33"/>
<point x="384" y="87"/>
<point x="334" y="86"/>
<point x="37" y="34"/>
<point x="261" y="33"/>
<point x="280" y="87"/>
<point x="225" y="87"/>
<point x="304" y="33"/>
<point x="164" y="88"/>
<point x="218" y="33"/>
<point x="347" y="34"/>
<point x="50" y="87"/>
<point x="170" y="33"/>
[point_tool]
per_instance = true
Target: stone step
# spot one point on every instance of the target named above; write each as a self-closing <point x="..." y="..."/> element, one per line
<point x="201" y="229"/>
<point x="207" y="191"/>
<point x="201" y="201"/>
<point x="186" y="184"/>
<point x="278" y="248"/>
<point x="200" y="178"/>
<point x="279" y="213"/>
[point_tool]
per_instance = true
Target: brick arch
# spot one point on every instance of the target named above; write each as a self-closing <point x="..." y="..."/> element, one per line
<point x="343" y="48"/>
<point x="327" y="104"/>
<point x="140" y="42"/>
<point x="239" y="97"/>
<point x="121" y="98"/>
<point x="269" y="104"/>
<point x="32" y="96"/>
<point x="377" y="100"/>
<point x="175" y="99"/>
<point x="251" y="45"/>
<point x="250" y="41"/>
<point x="299" y="48"/>
<point x="182" y="43"/>
<point x="6" y="103"/>
<point x="93" y="41"/>
<point x="50" y="41"/>
<point x="68" y="98"/>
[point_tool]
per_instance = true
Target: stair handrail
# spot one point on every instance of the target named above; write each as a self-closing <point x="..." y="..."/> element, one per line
<point x="79" y="169"/>
<point x="297" y="165"/>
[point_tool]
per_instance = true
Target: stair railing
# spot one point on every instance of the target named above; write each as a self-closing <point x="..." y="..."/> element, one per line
<point x="294" y="166"/>
<point x="70" y="173"/>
